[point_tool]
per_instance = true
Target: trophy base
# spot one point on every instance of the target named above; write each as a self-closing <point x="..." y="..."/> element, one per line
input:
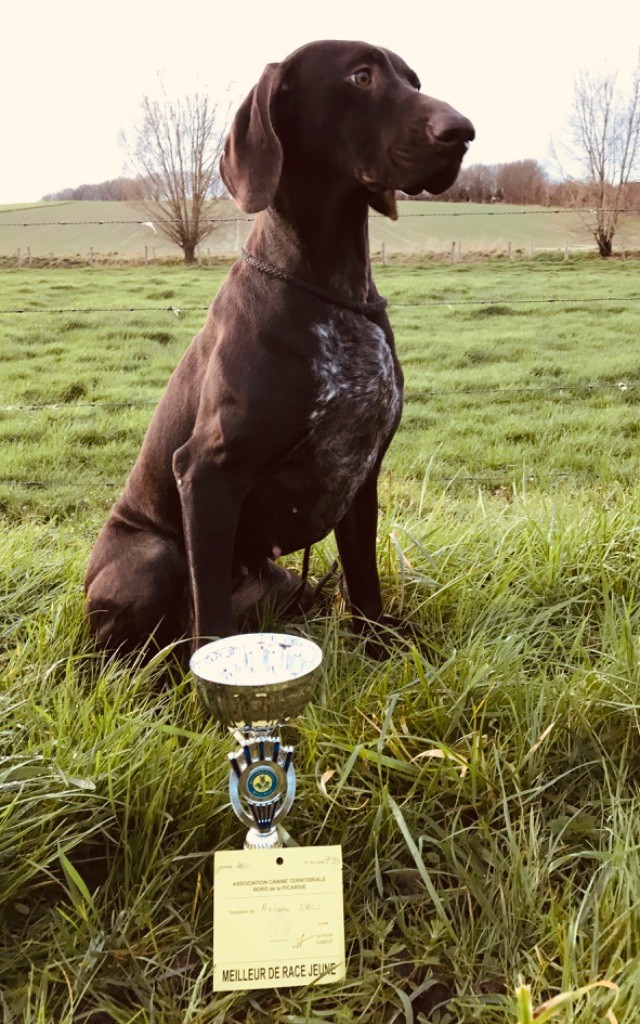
<point x="257" y="840"/>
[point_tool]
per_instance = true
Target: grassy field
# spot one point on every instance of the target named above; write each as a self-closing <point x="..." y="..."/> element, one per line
<point x="422" y="227"/>
<point x="515" y="373"/>
<point x="483" y="781"/>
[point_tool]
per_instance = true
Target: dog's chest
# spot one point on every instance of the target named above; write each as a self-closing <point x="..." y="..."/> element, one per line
<point x="355" y="409"/>
<point x="357" y="400"/>
<point x="353" y="362"/>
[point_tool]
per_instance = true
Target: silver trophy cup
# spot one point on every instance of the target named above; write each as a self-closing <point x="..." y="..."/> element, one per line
<point x="255" y="683"/>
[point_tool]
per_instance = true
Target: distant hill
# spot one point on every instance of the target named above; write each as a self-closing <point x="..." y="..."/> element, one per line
<point x="113" y="229"/>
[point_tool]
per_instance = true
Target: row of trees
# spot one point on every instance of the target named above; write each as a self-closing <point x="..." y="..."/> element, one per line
<point x="522" y="181"/>
<point x="115" y="190"/>
<point x="175" y="151"/>
<point x="526" y="182"/>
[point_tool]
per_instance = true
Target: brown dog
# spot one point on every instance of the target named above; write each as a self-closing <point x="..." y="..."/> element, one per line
<point x="274" y="424"/>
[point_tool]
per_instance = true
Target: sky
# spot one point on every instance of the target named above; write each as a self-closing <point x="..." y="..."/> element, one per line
<point x="72" y="74"/>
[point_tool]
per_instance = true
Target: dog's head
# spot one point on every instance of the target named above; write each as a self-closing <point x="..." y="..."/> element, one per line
<point x="348" y="112"/>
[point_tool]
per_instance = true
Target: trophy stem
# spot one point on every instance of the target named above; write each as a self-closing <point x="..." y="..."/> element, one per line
<point x="262" y="785"/>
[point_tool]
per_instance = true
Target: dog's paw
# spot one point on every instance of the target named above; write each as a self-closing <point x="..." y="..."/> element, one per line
<point x="381" y="638"/>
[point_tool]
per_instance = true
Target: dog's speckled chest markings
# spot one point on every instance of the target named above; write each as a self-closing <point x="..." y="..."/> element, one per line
<point x="358" y="404"/>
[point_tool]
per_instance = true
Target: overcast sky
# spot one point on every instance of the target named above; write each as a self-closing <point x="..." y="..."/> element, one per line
<point x="72" y="73"/>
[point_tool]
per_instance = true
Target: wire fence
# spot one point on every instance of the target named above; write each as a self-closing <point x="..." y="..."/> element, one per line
<point x="139" y="240"/>
<point x="496" y="300"/>
<point x="520" y="389"/>
<point x="482" y="480"/>
<point x="490" y="212"/>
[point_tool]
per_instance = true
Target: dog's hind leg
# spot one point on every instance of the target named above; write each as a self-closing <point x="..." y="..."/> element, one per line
<point x="136" y="591"/>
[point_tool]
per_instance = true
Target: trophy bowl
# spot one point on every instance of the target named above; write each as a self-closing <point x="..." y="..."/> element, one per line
<point x="256" y="680"/>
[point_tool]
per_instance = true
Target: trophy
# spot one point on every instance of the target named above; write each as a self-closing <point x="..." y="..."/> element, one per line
<point x="255" y="683"/>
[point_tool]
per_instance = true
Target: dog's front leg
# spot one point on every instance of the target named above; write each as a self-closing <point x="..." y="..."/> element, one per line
<point x="211" y="497"/>
<point x="356" y="537"/>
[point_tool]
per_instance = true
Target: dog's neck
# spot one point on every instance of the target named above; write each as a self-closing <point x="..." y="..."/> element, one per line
<point x="320" y="238"/>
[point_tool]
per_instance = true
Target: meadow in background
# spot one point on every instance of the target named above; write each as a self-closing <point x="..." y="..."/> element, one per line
<point x="119" y="232"/>
<point x="483" y="781"/>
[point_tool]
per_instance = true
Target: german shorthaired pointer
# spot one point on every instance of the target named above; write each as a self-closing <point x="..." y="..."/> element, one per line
<point x="272" y="428"/>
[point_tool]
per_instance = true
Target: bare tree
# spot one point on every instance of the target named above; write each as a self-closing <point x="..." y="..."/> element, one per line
<point x="176" y="148"/>
<point x="604" y="131"/>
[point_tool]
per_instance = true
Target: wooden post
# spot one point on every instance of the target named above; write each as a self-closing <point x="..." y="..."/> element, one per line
<point x="453" y="252"/>
<point x="91" y="256"/>
<point x="19" y="257"/>
<point x="383" y="253"/>
<point x="146" y="255"/>
<point x="29" y="255"/>
<point x="208" y="257"/>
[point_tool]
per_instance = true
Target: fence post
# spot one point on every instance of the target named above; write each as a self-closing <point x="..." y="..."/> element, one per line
<point x="91" y="256"/>
<point x="29" y="255"/>
<point x="19" y="257"/>
<point x="383" y="253"/>
<point x="453" y="252"/>
<point x="146" y="255"/>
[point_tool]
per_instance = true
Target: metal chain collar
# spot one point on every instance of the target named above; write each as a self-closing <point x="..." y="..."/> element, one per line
<point x="364" y="308"/>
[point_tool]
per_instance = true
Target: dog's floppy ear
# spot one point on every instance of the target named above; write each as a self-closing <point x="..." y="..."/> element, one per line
<point x="384" y="202"/>
<point x="251" y="162"/>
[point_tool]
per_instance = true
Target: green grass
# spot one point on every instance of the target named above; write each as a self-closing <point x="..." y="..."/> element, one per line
<point x="502" y="385"/>
<point x="482" y="782"/>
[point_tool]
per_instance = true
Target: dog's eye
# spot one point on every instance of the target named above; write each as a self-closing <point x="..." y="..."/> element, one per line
<point x="361" y="77"/>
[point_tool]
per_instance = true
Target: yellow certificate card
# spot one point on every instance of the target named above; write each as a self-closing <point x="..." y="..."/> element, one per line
<point x="277" y="918"/>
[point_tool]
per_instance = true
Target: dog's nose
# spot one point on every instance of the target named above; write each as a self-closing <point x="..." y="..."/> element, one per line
<point x="450" y="128"/>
